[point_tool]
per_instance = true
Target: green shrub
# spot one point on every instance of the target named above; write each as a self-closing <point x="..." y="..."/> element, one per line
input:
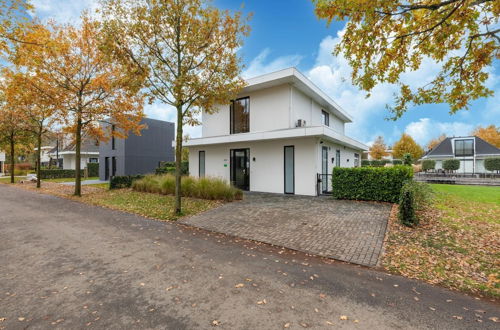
<point x="58" y="174"/>
<point x="370" y="183"/>
<point x="407" y="214"/>
<point x="428" y="164"/>
<point x="169" y="168"/>
<point x="492" y="164"/>
<point x="397" y="162"/>
<point x="205" y="188"/>
<point x="415" y="196"/>
<point x="407" y="159"/>
<point x="93" y="169"/>
<point x="451" y="164"/>
<point x="365" y="162"/>
<point x="118" y="182"/>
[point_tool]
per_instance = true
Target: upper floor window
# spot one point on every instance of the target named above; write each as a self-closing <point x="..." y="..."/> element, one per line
<point x="325" y="118"/>
<point x="240" y="115"/>
<point x="464" y="148"/>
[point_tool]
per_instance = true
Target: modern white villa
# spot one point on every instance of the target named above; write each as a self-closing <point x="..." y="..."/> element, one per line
<point x="281" y="135"/>
<point x="470" y="150"/>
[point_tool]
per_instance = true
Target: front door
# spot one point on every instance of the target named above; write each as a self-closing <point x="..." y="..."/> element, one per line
<point x="240" y="168"/>
<point x="106" y="168"/>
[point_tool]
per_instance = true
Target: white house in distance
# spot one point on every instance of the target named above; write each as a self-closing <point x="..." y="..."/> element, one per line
<point x="89" y="153"/>
<point x="277" y="136"/>
<point x="470" y="150"/>
<point x="45" y="154"/>
<point x="2" y="162"/>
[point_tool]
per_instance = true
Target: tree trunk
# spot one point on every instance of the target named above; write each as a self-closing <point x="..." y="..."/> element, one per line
<point x="178" y="160"/>
<point x="12" y="157"/>
<point x="39" y="158"/>
<point x="78" y="143"/>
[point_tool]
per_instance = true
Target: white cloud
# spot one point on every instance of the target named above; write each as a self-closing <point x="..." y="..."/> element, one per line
<point x="166" y="112"/>
<point x="426" y="129"/>
<point x="258" y="66"/>
<point x="63" y="11"/>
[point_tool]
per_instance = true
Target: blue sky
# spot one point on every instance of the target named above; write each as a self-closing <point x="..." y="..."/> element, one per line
<point x="287" y="33"/>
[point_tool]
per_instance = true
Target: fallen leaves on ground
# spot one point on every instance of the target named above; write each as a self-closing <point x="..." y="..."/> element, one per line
<point x="456" y="245"/>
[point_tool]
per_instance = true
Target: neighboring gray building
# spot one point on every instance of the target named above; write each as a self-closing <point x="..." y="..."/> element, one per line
<point x="137" y="154"/>
<point x="470" y="150"/>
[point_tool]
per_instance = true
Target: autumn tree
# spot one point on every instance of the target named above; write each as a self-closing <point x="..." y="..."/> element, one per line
<point x="406" y="145"/>
<point x="187" y="50"/>
<point x="490" y="134"/>
<point x="86" y="86"/>
<point x="38" y="109"/>
<point x="12" y="120"/>
<point x="384" y="39"/>
<point x="378" y="149"/>
<point x="434" y="142"/>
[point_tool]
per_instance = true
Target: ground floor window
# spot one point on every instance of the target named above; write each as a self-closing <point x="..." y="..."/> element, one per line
<point x="93" y="160"/>
<point x="289" y="170"/>
<point x="356" y="160"/>
<point x="240" y="168"/>
<point x="201" y="164"/>
<point x="337" y="158"/>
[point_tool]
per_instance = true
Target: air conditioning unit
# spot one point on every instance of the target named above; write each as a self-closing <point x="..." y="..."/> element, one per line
<point x="301" y="123"/>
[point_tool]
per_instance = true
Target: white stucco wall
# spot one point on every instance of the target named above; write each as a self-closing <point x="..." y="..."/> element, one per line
<point x="69" y="161"/>
<point x="271" y="109"/>
<point x="2" y="156"/>
<point x="266" y="172"/>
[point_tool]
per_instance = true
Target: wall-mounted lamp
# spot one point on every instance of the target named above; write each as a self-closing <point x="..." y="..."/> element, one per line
<point x="253" y="159"/>
<point x="333" y="158"/>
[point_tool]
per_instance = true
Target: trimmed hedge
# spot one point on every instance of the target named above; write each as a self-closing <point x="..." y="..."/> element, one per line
<point x="428" y="164"/>
<point x="93" y="169"/>
<point x="58" y="174"/>
<point x="365" y="162"/>
<point x="492" y="164"/>
<point x="125" y="181"/>
<point x="370" y="183"/>
<point x="375" y="162"/>
<point x="451" y="164"/>
<point x="397" y="162"/>
<point x="169" y="168"/>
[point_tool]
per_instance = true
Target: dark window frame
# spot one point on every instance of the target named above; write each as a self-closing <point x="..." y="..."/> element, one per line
<point x="337" y="158"/>
<point x="199" y="163"/>
<point x="231" y="115"/>
<point x="462" y="148"/>
<point x="325" y="118"/>
<point x="293" y="170"/>
<point x="113" y="144"/>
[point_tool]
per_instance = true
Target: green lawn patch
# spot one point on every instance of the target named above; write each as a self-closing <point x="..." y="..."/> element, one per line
<point x="6" y="179"/>
<point x="147" y="204"/>
<point x="483" y="194"/>
<point x="60" y="180"/>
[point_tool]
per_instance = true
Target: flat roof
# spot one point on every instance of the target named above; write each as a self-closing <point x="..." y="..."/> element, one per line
<point x="301" y="82"/>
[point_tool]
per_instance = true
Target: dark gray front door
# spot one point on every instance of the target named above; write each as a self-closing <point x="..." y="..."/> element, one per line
<point x="240" y="168"/>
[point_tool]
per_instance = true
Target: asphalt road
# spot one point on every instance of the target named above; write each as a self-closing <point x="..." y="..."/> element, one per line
<point x="68" y="265"/>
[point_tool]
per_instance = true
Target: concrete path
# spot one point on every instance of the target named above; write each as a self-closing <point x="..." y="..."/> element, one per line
<point x="343" y="230"/>
<point x="67" y="265"/>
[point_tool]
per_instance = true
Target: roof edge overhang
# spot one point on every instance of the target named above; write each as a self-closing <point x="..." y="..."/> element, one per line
<point x="296" y="78"/>
<point x="289" y="133"/>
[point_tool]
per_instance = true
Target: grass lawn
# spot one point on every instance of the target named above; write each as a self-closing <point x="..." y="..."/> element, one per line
<point x="146" y="204"/>
<point x="457" y="244"/>
<point x="6" y="179"/>
<point x="59" y="180"/>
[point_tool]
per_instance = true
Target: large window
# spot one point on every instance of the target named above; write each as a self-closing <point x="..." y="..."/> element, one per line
<point x="356" y="160"/>
<point x="113" y="146"/>
<point x="464" y="148"/>
<point x="325" y="118"/>
<point x="240" y="115"/>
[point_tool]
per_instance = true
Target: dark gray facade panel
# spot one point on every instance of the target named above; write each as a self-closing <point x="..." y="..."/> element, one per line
<point x="139" y="154"/>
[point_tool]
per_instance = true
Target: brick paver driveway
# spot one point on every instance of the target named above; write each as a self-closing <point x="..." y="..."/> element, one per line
<point x="343" y="230"/>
